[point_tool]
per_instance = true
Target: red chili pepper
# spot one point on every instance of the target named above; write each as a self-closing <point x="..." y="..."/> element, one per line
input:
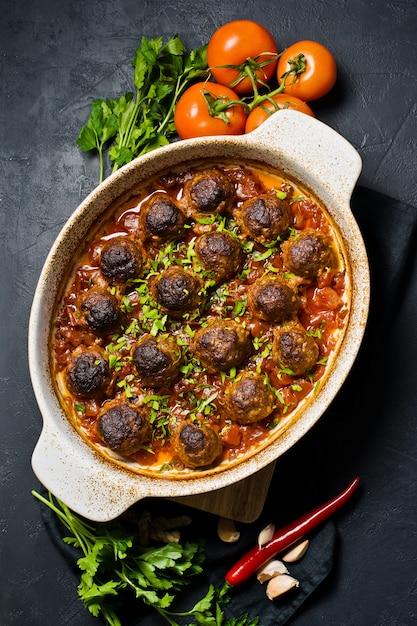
<point x="286" y="536"/>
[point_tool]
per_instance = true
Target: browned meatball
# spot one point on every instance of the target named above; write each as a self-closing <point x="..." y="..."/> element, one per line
<point x="294" y="349"/>
<point x="208" y="191"/>
<point x="120" y="260"/>
<point x="220" y="254"/>
<point x="264" y="218"/>
<point x="249" y="399"/>
<point x="196" y="444"/>
<point x="221" y="345"/>
<point x="161" y="219"/>
<point x="100" y="311"/>
<point x="87" y="372"/>
<point x="123" y="427"/>
<point x="271" y="299"/>
<point x="178" y="291"/>
<point x="308" y="254"/>
<point x="156" y="361"/>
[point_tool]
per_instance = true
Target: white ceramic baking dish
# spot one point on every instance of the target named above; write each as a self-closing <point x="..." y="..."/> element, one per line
<point x="306" y="149"/>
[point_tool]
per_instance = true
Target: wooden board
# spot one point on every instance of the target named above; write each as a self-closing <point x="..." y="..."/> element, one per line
<point x="242" y="502"/>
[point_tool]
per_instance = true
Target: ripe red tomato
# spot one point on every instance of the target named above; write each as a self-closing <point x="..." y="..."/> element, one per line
<point x="232" y="44"/>
<point x="192" y="116"/>
<point x="262" y="112"/>
<point x="319" y="75"/>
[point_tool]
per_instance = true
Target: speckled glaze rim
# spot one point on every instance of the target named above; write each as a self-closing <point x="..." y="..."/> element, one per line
<point x="289" y="141"/>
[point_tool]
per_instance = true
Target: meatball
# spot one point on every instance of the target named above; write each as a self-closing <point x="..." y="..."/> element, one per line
<point x="161" y="219"/>
<point x="294" y="349"/>
<point x="273" y="300"/>
<point x="178" y="291"/>
<point x="308" y="254"/>
<point x="264" y="218"/>
<point x="156" y="361"/>
<point x="221" y="345"/>
<point x="121" y="259"/>
<point x="220" y="254"/>
<point x="87" y="373"/>
<point x="208" y="191"/>
<point x="100" y="311"/>
<point x="249" y="399"/>
<point x="123" y="427"/>
<point x="196" y="444"/>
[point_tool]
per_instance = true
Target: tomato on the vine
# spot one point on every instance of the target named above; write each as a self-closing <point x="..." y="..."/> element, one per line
<point x="264" y="110"/>
<point x="234" y="43"/>
<point x="193" y="118"/>
<point x="319" y="75"/>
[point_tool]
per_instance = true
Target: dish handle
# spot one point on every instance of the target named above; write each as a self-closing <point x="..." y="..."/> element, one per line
<point x="311" y="151"/>
<point x="65" y="468"/>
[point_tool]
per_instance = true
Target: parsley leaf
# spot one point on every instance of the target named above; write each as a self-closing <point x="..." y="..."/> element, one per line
<point x="142" y="120"/>
<point x="113" y="561"/>
<point x="101" y="127"/>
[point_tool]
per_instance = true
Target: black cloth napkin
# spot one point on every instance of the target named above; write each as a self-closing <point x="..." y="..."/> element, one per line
<point x="287" y="499"/>
<point x="301" y="478"/>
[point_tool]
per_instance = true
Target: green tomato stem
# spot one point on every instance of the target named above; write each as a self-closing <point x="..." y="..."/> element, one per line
<point x="218" y="106"/>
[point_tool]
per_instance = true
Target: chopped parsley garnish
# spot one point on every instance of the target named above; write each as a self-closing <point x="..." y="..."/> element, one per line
<point x="261" y="256"/>
<point x="281" y="195"/>
<point x="125" y="384"/>
<point x="239" y="307"/>
<point x="159" y="415"/>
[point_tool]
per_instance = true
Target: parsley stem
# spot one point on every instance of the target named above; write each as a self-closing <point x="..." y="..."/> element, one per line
<point x="82" y="531"/>
<point x="125" y="135"/>
<point x="110" y="617"/>
<point x="165" y="615"/>
<point x="182" y="82"/>
<point x="99" y="147"/>
<point x="101" y="162"/>
<point x="178" y="89"/>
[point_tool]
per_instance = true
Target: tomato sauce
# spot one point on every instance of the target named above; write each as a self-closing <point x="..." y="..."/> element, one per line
<point x="323" y="313"/>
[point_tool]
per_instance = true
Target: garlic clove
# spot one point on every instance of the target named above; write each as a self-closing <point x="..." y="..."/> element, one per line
<point x="296" y="552"/>
<point x="280" y="584"/>
<point x="266" y="535"/>
<point x="226" y="530"/>
<point x="270" y="570"/>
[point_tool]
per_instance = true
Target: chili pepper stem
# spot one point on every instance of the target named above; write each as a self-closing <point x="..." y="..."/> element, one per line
<point x="286" y="536"/>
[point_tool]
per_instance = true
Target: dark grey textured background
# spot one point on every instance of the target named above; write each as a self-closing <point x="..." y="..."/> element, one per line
<point x="57" y="56"/>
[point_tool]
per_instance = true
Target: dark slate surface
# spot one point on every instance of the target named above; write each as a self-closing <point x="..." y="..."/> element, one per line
<point x="56" y="57"/>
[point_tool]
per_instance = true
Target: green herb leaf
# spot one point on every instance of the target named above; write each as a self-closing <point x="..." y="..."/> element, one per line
<point x="142" y="120"/>
<point x="100" y="128"/>
<point x="281" y="195"/>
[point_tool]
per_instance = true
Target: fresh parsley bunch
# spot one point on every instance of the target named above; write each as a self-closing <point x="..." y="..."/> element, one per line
<point x="143" y="120"/>
<point x="113" y="563"/>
